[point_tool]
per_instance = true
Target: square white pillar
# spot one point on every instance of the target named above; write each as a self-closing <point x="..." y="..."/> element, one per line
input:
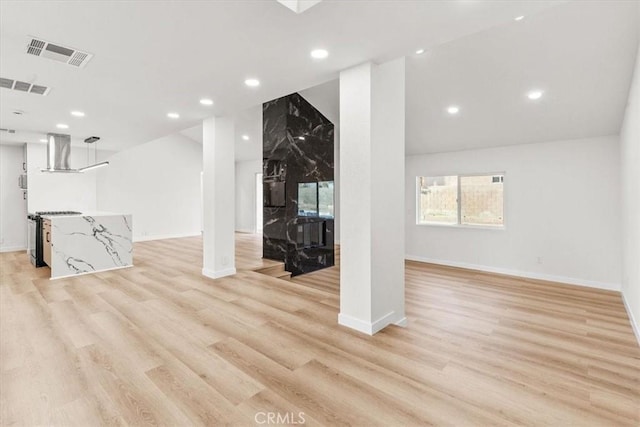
<point x="218" y="196"/>
<point x="372" y="158"/>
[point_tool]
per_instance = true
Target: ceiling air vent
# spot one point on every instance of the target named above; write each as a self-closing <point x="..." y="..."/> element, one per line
<point x="58" y="53"/>
<point x="6" y="83"/>
<point x="7" y="130"/>
<point x="24" y="86"/>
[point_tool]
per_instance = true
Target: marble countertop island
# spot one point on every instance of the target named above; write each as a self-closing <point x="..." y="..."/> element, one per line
<point x="89" y="243"/>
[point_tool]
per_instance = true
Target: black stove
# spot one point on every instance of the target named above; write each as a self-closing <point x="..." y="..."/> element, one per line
<point x="35" y="234"/>
<point x="58" y="213"/>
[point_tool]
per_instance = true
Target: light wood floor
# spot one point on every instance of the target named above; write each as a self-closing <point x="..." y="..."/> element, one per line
<point x="158" y="344"/>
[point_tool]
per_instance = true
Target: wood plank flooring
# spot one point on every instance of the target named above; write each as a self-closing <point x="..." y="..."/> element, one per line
<point x="159" y="344"/>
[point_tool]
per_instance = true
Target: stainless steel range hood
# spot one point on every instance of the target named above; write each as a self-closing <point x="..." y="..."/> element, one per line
<point x="58" y="153"/>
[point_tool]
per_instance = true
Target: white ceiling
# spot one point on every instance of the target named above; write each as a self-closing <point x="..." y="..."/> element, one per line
<point x="153" y="57"/>
<point x="325" y="97"/>
<point x="581" y="54"/>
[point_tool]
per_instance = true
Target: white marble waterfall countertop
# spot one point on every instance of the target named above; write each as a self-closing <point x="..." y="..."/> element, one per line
<point x="90" y="213"/>
<point x="90" y="242"/>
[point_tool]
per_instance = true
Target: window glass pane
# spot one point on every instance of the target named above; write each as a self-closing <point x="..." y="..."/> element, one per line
<point x="482" y="200"/>
<point x="325" y="199"/>
<point x="308" y="199"/>
<point x="438" y="200"/>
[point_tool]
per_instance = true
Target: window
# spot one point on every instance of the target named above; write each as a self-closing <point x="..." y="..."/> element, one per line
<point x="307" y="199"/>
<point x="315" y="199"/>
<point x="474" y="200"/>
<point x="325" y="199"/>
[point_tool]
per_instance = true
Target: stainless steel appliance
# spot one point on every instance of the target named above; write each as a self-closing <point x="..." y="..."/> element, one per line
<point x="35" y="234"/>
<point x="35" y="240"/>
<point x="59" y="152"/>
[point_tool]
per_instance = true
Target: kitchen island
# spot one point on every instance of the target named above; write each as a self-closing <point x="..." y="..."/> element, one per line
<point x="88" y="243"/>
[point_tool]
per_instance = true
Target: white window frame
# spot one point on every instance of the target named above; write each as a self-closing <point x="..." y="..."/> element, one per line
<point x="459" y="224"/>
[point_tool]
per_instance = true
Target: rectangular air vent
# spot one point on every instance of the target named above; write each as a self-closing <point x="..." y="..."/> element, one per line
<point x="67" y="55"/>
<point x="24" y="86"/>
<point x="7" y="130"/>
<point x="6" y="83"/>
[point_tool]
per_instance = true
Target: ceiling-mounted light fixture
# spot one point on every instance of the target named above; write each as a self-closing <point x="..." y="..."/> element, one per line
<point x="252" y="82"/>
<point x="319" y="53"/>
<point x="59" y="151"/>
<point x="535" y="94"/>
<point x="96" y="166"/>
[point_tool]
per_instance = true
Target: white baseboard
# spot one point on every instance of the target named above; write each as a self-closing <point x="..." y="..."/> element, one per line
<point x="634" y="322"/>
<point x="371" y="328"/>
<point x="402" y="322"/>
<point x="218" y="274"/>
<point x="245" y="230"/>
<point x="13" y="248"/>
<point x="518" y="273"/>
<point x="164" y="236"/>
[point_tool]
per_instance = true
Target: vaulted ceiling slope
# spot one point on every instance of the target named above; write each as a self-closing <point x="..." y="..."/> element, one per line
<point x="579" y="54"/>
<point x="154" y="57"/>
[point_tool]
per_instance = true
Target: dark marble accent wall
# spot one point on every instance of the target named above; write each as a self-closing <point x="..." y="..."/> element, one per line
<point x="297" y="148"/>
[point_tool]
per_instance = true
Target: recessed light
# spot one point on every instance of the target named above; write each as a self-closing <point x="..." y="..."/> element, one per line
<point x="62" y="126"/>
<point x="319" y="53"/>
<point x="252" y="82"/>
<point x="519" y="18"/>
<point x="43" y="140"/>
<point x="77" y="113"/>
<point x="453" y="109"/>
<point x="245" y="137"/>
<point x="419" y="51"/>
<point x="206" y="101"/>
<point x="173" y="115"/>
<point x="534" y="94"/>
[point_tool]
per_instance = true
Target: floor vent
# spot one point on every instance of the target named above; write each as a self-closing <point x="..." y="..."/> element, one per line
<point x="24" y="86"/>
<point x="67" y="55"/>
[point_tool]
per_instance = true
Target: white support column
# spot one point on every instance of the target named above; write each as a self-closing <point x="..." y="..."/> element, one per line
<point x="218" y="188"/>
<point x="372" y="120"/>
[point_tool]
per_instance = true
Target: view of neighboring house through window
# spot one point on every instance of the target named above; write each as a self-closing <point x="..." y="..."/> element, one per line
<point x="475" y="200"/>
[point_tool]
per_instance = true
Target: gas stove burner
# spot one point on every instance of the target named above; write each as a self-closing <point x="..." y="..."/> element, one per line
<point x="58" y="213"/>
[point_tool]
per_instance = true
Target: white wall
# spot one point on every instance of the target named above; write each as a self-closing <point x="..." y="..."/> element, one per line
<point x="562" y="204"/>
<point x="13" y="208"/>
<point x="159" y="184"/>
<point x="61" y="191"/>
<point x="630" y="175"/>
<point x="246" y="195"/>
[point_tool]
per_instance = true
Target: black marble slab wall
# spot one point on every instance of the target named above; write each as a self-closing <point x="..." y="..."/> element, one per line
<point x="297" y="148"/>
